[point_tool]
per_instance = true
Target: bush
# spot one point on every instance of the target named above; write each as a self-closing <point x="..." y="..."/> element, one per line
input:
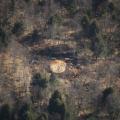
<point x="69" y="5"/>
<point x="56" y="19"/>
<point x="91" y="118"/>
<point x="106" y="93"/>
<point x="71" y="9"/>
<point x="93" y="29"/>
<point x="5" y="112"/>
<point x="3" y="39"/>
<point x="99" y="47"/>
<point x="111" y="7"/>
<point x="37" y="80"/>
<point x="26" y="112"/>
<point x="18" y="28"/>
<point x="41" y="2"/>
<point x="99" y="7"/>
<point x="116" y="15"/>
<point x="56" y="104"/>
<point x="85" y="22"/>
<point x="27" y="1"/>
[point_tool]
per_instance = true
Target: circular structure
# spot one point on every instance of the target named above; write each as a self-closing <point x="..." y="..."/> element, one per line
<point x="57" y="66"/>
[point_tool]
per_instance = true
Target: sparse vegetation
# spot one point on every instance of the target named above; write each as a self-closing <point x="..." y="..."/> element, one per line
<point x="59" y="59"/>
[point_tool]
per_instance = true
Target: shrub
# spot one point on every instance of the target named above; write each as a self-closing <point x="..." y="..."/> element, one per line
<point x="71" y="9"/>
<point x="111" y="7"/>
<point x="91" y="118"/>
<point x="56" y="19"/>
<point x="3" y="39"/>
<point x="99" y="7"/>
<point x="116" y="15"/>
<point x="18" y="28"/>
<point x="27" y="1"/>
<point x="26" y="112"/>
<point x="96" y="46"/>
<point x="106" y="93"/>
<point x="5" y="112"/>
<point x="85" y="22"/>
<point x="41" y="2"/>
<point x="37" y="80"/>
<point x="56" y="104"/>
<point x="113" y="105"/>
<point x="93" y="29"/>
<point x="68" y="4"/>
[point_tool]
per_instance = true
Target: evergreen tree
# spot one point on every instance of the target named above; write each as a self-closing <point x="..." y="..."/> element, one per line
<point x="56" y="105"/>
<point x="5" y="112"/>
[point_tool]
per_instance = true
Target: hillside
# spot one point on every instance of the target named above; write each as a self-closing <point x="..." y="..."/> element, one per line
<point x="59" y="60"/>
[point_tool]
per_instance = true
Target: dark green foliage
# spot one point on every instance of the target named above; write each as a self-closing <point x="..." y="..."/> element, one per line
<point x="3" y="39"/>
<point x="89" y="13"/>
<point x="101" y="46"/>
<point x="71" y="9"/>
<point x="56" y="19"/>
<point x="114" y="111"/>
<point x="106" y="93"/>
<point x="26" y="113"/>
<point x="96" y="46"/>
<point x="12" y="6"/>
<point x="92" y="118"/>
<point x="93" y="30"/>
<point x="56" y="105"/>
<point x="41" y="2"/>
<point x="5" y="112"/>
<point x="27" y="1"/>
<point x="111" y="7"/>
<point x="116" y="15"/>
<point x="38" y="85"/>
<point x="99" y="7"/>
<point x="37" y="80"/>
<point x="18" y="28"/>
<point x="90" y="29"/>
<point x="85" y="22"/>
<point x="68" y="4"/>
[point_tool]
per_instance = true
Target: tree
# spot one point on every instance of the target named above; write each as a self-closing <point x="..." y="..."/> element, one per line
<point x="113" y="107"/>
<point x="93" y="30"/>
<point x="111" y="7"/>
<point x="106" y="93"/>
<point x="5" y="112"/>
<point x="96" y="47"/>
<point x="56" y="104"/>
<point x="37" y="80"/>
<point x="99" y="7"/>
<point x="69" y="5"/>
<point x="41" y="2"/>
<point x="55" y="19"/>
<point x="37" y="86"/>
<point x="26" y="112"/>
<point x="3" y="39"/>
<point x="18" y="28"/>
<point x="27" y="1"/>
<point x="85" y="22"/>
